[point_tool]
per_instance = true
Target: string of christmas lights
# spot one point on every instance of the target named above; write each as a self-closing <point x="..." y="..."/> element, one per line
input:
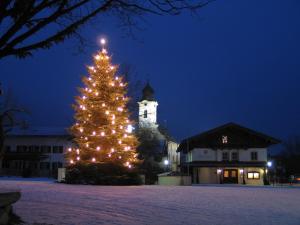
<point x="103" y="131"/>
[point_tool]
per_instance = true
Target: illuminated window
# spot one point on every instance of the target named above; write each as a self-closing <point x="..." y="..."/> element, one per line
<point x="226" y="173"/>
<point x="253" y="155"/>
<point x="145" y="114"/>
<point x="233" y="173"/>
<point x="253" y="175"/>
<point x="224" y="139"/>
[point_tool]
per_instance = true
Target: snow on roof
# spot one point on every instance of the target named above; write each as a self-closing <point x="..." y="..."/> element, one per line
<point x="39" y="131"/>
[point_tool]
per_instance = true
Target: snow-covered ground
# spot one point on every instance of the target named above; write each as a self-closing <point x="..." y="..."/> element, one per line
<point x="51" y="203"/>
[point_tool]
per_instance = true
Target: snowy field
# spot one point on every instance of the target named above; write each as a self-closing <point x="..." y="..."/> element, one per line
<point x="50" y="203"/>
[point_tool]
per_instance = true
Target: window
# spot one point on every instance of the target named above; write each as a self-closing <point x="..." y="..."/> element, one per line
<point x="253" y="155"/>
<point x="7" y="148"/>
<point x="44" y="165"/>
<point x="145" y="114"/>
<point x="224" y="139"/>
<point x="253" y="175"/>
<point x="226" y="174"/>
<point x="22" y="148"/>
<point x="58" y="149"/>
<point x="225" y="156"/>
<point x="145" y="104"/>
<point x="233" y="173"/>
<point x="5" y="164"/>
<point x="33" y="148"/>
<point x="45" y="149"/>
<point x="234" y="156"/>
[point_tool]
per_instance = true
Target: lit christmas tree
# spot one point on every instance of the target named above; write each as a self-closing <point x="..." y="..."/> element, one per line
<point x="103" y="131"/>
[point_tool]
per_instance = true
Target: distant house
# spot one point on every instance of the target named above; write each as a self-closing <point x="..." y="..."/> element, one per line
<point x="36" y="151"/>
<point x="226" y="154"/>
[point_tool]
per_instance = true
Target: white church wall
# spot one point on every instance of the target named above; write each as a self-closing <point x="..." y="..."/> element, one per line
<point x="148" y="113"/>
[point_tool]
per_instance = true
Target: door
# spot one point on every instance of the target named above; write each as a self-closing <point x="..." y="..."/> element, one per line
<point x="230" y="176"/>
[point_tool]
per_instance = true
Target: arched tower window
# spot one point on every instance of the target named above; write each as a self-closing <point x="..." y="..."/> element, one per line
<point x="145" y="113"/>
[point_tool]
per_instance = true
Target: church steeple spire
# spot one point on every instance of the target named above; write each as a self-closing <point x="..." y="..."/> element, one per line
<point x="148" y="93"/>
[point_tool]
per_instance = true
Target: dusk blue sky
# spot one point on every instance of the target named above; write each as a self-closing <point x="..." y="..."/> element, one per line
<point x="238" y="61"/>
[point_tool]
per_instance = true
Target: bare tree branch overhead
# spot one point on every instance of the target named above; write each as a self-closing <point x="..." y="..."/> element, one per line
<point x="28" y="25"/>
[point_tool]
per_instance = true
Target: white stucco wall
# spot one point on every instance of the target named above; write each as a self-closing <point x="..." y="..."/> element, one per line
<point x="151" y="108"/>
<point x="205" y="154"/>
<point x="14" y="141"/>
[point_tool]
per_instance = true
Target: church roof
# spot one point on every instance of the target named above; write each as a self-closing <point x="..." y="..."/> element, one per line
<point x="148" y="93"/>
<point x="228" y="136"/>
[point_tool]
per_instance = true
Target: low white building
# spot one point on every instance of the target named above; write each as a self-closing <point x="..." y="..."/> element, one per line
<point x="37" y="151"/>
<point x="227" y="154"/>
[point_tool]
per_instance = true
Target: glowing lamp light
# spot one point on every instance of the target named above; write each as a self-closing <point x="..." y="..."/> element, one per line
<point x="103" y="104"/>
<point x="120" y="157"/>
<point x="97" y="93"/>
<point x="78" y="158"/>
<point x="106" y="112"/>
<point x="94" y="133"/>
<point x="129" y="166"/>
<point x="166" y="162"/>
<point x="117" y="78"/>
<point x="71" y="161"/>
<point x="69" y="149"/>
<point x="98" y="148"/>
<point x="269" y="164"/>
<point x="97" y="57"/>
<point x="93" y="160"/>
<point x="102" y="41"/>
<point x="113" y="131"/>
<point x="77" y="151"/>
<point x="112" y="150"/>
<point x="219" y="171"/>
<point x="241" y="171"/>
<point x="102" y="133"/>
<point x="129" y="128"/>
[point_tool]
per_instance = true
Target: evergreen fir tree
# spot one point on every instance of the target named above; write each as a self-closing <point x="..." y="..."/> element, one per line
<point x="103" y="130"/>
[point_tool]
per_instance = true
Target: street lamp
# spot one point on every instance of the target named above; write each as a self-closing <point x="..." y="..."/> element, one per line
<point x="269" y="164"/>
<point x="166" y="163"/>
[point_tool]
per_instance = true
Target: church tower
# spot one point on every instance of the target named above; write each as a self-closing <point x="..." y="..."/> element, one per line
<point x="148" y="109"/>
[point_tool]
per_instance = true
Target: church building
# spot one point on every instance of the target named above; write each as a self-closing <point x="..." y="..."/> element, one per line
<point x="147" y="119"/>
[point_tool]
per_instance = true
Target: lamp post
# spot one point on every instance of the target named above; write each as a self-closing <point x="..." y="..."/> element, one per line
<point x="269" y="165"/>
<point x="166" y="163"/>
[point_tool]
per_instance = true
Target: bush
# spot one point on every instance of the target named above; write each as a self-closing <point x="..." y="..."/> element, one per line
<point x="102" y="174"/>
